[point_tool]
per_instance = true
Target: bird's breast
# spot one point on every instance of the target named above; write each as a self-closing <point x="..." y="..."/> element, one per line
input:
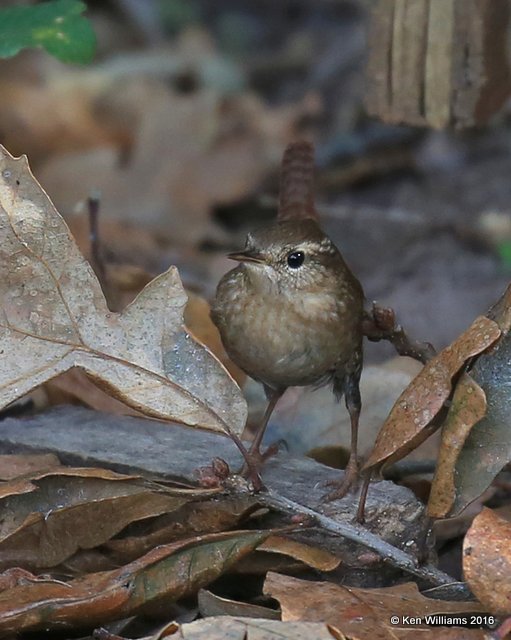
<point x="286" y="340"/>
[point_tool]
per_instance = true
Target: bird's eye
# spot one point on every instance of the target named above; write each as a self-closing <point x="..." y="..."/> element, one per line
<point x="295" y="259"/>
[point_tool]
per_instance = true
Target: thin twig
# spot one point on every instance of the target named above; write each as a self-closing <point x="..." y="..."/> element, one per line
<point x="394" y="556"/>
<point x="93" y="202"/>
<point x="96" y="251"/>
<point x="380" y="324"/>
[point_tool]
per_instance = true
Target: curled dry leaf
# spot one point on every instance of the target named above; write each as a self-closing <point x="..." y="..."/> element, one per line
<point x="467" y="408"/>
<point x="164" y="574"/>
<point x="168" y="629"/>
<point x="410" y="420"/>
<point x="54" y="317"/>
<point x="49" y="516"/>
<point x="476" y="435"/>
<point x="364" y="614"/>
<point x="282" y="554"/>
<point x="319" y="559"/>
<point x="212" y="605"/>
<point x="484" y="448"/>
<point x="487" y="561"/>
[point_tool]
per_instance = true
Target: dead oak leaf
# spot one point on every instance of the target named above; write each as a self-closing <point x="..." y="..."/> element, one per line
<point x="54" y="317"/>
<point x="364" y="614"/>
<point x="410" y="420"/>
<point x="487" y="561"/>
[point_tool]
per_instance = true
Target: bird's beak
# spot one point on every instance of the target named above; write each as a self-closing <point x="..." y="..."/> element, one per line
<point x="246" y="256"/>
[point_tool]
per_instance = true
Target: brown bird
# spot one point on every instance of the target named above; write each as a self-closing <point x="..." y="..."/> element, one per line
<point x="290" y="314"/>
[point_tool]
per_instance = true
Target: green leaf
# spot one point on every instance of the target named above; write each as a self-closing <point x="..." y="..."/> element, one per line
<point x="504" y="251"/>
<point x="56" y="26"/>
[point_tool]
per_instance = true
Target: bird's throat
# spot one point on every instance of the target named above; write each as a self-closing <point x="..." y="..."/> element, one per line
<point x="262" y="279"/>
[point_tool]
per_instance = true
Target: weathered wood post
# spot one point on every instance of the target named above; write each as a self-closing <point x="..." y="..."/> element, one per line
<point x="438" y="62"/>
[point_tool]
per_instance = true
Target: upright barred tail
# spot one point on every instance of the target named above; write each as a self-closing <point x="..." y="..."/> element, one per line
<point x="297" y="182"/>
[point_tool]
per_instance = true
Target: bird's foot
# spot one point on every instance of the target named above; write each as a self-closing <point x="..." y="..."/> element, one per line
<point x="342" y="486"/>
<point x="218" y="473"/>
<point x="254" y="461"/>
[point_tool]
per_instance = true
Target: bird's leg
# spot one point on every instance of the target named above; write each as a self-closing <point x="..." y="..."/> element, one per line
<point x="361" y="516"/>
<point x="353" y="404"/>
<point x="273" y="396"/>
<point x="255" y="458"/>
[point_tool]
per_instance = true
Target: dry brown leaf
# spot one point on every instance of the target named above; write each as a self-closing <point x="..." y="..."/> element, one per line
<point x="75" y="387"/>
<point x="319" y="559"/>
<point x="52" y="514"/>
<point x="155" y="154"/>
<point x="122" y="243"/>
<point x="457" y="526"/>
<point x="410" y="421"/>
<point x="467" y="408"/>
<point x="19" y="486"/>
<point x="12" y="577"/>
<point x="504" y="512"/>
<point x="196" y="517"/>
<point x="177" y="169"/>
<point x="283" y="555"/>
<point x="164" y="574"/>
<point x="55" y="318"/>
<point x="212" y="605"/>
<point x="487" y="447"/>
<point x="500" y="312"/>
<point x="487" y="561"/>
<point x="364" y="614"/>
<point x="169" y="629"/>
<point x="231" y="628"/>
<point x="13" y="466"/>
<point x="54" y="114"/>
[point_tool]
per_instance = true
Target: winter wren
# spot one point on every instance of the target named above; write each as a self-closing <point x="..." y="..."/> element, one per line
<point x="290" y="314"/>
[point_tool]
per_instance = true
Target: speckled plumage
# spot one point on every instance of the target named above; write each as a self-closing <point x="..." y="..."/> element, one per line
<point x="292" y="327"/>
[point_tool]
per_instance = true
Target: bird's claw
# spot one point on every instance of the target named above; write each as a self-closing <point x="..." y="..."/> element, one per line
<point x="254" y="460"/>
<point x="342" y="486"/>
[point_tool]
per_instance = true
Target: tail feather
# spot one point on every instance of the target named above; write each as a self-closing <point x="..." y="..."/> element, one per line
<point x="296" y="199"/>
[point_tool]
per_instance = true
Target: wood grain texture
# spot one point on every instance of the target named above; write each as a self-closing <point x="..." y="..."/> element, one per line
<point x="438" y="68"/>
<point x="437" y="62"/>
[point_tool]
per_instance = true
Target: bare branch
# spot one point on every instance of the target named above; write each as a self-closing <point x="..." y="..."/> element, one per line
<point x="359" y="534"/>
<point x="380" y="324"/>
